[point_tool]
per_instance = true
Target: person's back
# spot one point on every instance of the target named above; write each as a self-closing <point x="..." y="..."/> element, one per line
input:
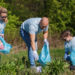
<point x="31" y="23"/>
<point x="32" y="26"/>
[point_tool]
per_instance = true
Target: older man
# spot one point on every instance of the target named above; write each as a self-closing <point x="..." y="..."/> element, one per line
<point x="29" y="30"/>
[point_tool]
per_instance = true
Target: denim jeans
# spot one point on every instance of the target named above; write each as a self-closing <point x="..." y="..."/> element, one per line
<point x="67" y="57"/>
<point x="25" y="36"/>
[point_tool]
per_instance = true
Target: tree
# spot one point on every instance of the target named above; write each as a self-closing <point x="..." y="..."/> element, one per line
<point x="61" y="14"/>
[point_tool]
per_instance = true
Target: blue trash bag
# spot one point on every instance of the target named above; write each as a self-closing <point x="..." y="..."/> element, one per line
<point x="7" y="47"/>
<point x="72" y="57"/>
<point x="44" y="56"/>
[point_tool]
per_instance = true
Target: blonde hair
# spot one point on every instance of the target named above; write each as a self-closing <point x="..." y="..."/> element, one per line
<point x="4" y="10"/>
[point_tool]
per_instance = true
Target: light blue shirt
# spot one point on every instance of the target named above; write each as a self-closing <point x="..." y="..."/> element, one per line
<point x="2" y="26"/>
<point x="32" y="26"/>
<point x="70" y="46"/>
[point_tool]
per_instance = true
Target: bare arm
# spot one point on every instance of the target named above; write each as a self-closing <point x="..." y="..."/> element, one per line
<point x="45" y="34"/>
<point x="32" y="38"/>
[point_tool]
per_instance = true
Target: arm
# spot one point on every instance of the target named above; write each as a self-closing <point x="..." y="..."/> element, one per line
<point x="35" y="54"/>
<point x="32" y="38"/>
<point x="45" y="34"/>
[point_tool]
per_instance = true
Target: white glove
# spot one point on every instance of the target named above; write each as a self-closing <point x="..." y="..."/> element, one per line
<point x="39" y="69"/>
<point x="45" y="41"/>
<point x="35" y="55"/>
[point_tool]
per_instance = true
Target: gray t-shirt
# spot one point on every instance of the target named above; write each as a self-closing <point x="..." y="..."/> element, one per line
<point x="32" y="26"/>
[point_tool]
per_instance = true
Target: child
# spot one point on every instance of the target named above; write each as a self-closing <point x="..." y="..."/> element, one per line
<point x="69" y="47"/>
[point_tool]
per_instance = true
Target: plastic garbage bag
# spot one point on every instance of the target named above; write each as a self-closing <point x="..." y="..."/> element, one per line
<point x="44" y="56"/>
<point x="7" y="47"/>
<point x="72" y="57"/>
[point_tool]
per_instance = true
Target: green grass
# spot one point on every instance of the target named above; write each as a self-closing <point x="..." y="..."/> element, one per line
<point x="16" y="63"/>
<point x="11" y="56"/>
<point x="55" y="54"/>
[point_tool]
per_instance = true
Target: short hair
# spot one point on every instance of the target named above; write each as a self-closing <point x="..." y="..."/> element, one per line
<point x="65" y="33"/>
<point x="44" y="20"/>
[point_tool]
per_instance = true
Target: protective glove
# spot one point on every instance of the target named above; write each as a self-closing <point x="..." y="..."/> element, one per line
<point x="45" y="41"/>
<point x="35" y="55"/>
<point x="39" y="69"/>
<point x="65" y="56"/>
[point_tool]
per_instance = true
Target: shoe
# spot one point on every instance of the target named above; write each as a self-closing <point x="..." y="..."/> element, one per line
<point x="72" y="67"/>
<point x="37" y="69"/>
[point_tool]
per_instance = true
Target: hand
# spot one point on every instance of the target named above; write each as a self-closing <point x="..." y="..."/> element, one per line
<point x="45" y="41"/>
<point x="35" y="55"/>
<point x="65" y="56"/>
<point x="1" y="46"/>
<point x="2" y="35"/>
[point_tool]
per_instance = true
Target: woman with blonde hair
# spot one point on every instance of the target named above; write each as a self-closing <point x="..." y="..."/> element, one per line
<point x="3" y="21"/>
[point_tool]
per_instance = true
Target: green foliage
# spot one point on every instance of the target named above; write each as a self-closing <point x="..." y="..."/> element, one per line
<point x="24" y="8"/>
<point x="11" y="67"/>
<point x="55" y="67"/>
<point x="20" y="66"/>
<point x="13" y="25"/>
<point x="3" y="4"/>
<point x="60" y="13"/>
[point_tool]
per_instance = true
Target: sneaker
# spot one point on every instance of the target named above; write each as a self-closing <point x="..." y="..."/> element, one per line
<point x="33" y="68"/>
<point x="72" y="67"/>
<point x="37" y="69"/>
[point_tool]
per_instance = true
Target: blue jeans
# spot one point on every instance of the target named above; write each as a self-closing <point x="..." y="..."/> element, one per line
<point x="67" y="57"/>
<point x="25" y="36"/>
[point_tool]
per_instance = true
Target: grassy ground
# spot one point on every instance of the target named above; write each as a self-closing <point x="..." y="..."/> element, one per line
<point x="55" y="53"/>
<point x="16" y="63"/>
